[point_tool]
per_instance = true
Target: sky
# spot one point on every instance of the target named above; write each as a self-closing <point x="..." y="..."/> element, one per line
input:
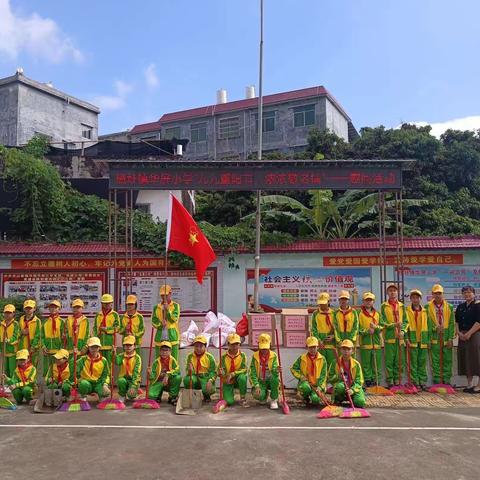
<point x="385" y="61"/>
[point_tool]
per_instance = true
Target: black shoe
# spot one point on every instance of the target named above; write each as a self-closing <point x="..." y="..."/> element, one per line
<point x="207" y="399"/>
<point x="475" y="392"/>
<point x="172" y="401"/>
<point x="468" y="390"/>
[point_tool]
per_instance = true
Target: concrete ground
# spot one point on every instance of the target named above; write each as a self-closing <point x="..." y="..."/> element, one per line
<point x="414" y="442"/>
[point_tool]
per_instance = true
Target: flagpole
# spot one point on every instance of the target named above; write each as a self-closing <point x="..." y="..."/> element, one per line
<point x="260" y="147"/>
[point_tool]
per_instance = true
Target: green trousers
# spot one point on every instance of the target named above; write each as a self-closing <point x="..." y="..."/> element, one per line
<point x="199" y="382"/>
<point x="269" y="385"/>
<point x="391" y="362"/>
<point x="368" y="364"/>
<point x="340" y="395"/>
<point x="10" y="365"/>
<point x="65" y="386"/>
<point x="124" y="384"/>
<point x="22" y="393"/>
<point x="329" y="354"/>
<point x="156" y="389"/>
<point x="447" y="363"/>
<point x="418" y="365"/>
<point x="174" y="353"/>
<point x="86" y="387"/>
<point x="308" y="393"/>
<point x="239" y="382"/>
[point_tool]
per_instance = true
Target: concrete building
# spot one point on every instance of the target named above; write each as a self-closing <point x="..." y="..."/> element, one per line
<point x="229" y="129"/>
<point x="29" y="108"/>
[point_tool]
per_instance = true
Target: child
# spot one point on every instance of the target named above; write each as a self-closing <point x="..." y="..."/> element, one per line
<point x="9" y="335"/>
<point x="370" y="340"/>
<point x="58" y="375"/>
<point x="93" y="371"/>
<point x="22" y="380"/>
<point x="165" y="319"/>
<point x="323" y="329"/>
<point x="78" y="331"/>
<point x="233" y="371"/>
<point x="345" y="319"/>
<point x="130" y="364"/>
<point x="349" y="368"/>
<point x="417" y="339"/>
<point x="107" y="323"/>
<point x="201" y="368"/>
<point x="30" y="330"/>
<point x="131" y="322"/>
<point x="53" y="334"/>
<point x="165" y="375"/>
<point x="310" y="369"/>
<point x="264" y="372"/>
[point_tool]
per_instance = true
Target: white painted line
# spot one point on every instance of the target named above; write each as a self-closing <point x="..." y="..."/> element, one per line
<point x="234" y="427"/>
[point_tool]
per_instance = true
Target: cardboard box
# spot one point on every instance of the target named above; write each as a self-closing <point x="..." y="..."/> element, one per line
<point x="295" y="322"/>
<point x="261" y="321"/>
<point x="254" y="334"/>
<point x="294" y="339"/>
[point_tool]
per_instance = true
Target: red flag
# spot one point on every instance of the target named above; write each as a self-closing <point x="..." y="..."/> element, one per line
<point x="184" y="236"/>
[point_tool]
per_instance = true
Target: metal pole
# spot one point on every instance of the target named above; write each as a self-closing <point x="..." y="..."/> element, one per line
<point x="131" y="241"/>
<point x="115" y="213"/>
<point x="260" y="146"/>
<point x="127" y="237"/>
<point x="402" y="260"/>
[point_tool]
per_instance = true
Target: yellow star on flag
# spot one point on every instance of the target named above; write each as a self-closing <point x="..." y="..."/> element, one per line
<point x="193" y="238"/>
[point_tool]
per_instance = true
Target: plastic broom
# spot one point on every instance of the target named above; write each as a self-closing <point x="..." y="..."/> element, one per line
<point x="285" y="407"/>
<point x="330" y="410"/>
<point x="377" y="389"/>
<point x="221" y="404"/>
<point x="441" y="387"/>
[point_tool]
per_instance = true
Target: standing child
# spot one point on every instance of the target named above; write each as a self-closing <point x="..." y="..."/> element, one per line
<point x="323" y="329"/>
<point x="345" y="319"/>
<point x="30" y="331"/>
<point x="78" y="331"/>
<point x="58" y="375"/>
<point x="53" y="334"/>
<point x="9" y="337"/>
<point x="22" y="380"/>
<point x="106" y="325"/>
<point x="130" y="364"/>
<point x="131" y="322"/>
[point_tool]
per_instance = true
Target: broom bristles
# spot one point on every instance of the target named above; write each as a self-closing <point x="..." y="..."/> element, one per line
<point x="146" y="403"/>
<point x="442" y="388"/>
<point x="111" y="404"/>
<point x="75" y="406"/>
<point x="379" y="390"/>
<point x="355" y="413"/>
<point x="330" y="411"/>
<point x="6" y="403"/>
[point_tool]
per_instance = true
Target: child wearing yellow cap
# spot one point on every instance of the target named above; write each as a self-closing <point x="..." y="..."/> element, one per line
<point x="370" y="331"/>
<point x="30" y="330"/>
<point x="201" y="369"/>
<point x="58" y="375"/>
<point x="345" y="319"/>
<point x="93" y="371"/>
<point x="264" y="372"/>
<point x="131" y="322"/>
<point x="130" y="364"/>
<point x="53" y="334"/>
<point x="22" y="380"/>
<point x="77" y="330"/>
<point x="347" y="367"/>
<point x="233" y="371"/>
<point x="106" y="324"/>
<point x="310" y="369"/>
<point x="165" y="319"/>
<point x="323" y="329"/>
<point x="9" y="338"/>
<point x="165" y="375"/>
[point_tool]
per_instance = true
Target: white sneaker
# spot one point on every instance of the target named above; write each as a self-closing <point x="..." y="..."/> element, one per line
<point x="83" y="399"/>
<point x="122" y="399"/>
<point x="274" y="405"/>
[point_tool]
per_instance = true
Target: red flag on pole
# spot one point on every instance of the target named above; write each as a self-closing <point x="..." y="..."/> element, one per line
<point x="184" y="236"/>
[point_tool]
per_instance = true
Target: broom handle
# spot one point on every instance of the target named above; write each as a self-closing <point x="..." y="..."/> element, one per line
<point x="280" y="365"/>
<point x="220" y="359"/>
<point x="374" y="360"/>
<point x="407" y="351"/>
<point x="441" y="354"/>
<point x="3" y="357"/>
<point x="344" y="380"/>
<point x="149" y="362"/>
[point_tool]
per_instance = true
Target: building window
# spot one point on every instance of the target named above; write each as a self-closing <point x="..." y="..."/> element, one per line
<point x="198" y="132"/>
<point x="268" y="122"/>
<point x="229" y="128"/>
<point x="304" y="116"/>
<point x="87" y="131"/>
<point x="173" y="132"/>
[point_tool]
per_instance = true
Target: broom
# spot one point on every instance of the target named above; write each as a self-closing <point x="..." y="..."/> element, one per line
<point x="409" y="387"/>
<point x="146" y="402"/>
<point x="352" y="412"/>
<point x="110" y="403"/>
<point x="330" y="410"/>
<point x="221" y="404"/>
<point x="377" y="389"/>
<point x="441" y="387"/>
<point x="285" y="407"/>
<point x="4" y="402"/>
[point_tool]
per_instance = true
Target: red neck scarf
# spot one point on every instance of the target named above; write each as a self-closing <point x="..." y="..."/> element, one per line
<point x="368" y="314"/>
<point x="21" y="371"/>
<point x="264" y="363"/>
<point x="60" y="369"/>
<point x="232" y="362"/>
<point x="54" y="317"/>
<point x="199" y="363"/>
<point x="394" y="305"/>
<point x="104" y="317"/>
<point x="312" y="359"/>
<point x="346" y="371"/>
<point x="165" y="363"/>
<point x="126" y="359"/>
<point x="344" y="315"/>
<point x="439" y="313"/>
<point x="130" y="323"/>
<point x="93" y="361"/>
<point x="327" y="318"/>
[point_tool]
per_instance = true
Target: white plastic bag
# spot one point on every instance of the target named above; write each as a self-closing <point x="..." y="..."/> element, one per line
<point x="225" y="322"/>
<point x="211" y="322"/>
<point x="186" y="338"/>
<point x="214" y="339"/>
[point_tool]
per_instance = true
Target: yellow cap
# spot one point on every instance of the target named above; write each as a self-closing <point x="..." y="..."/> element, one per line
<point x="368" y="296"/>
<point x="344" y="294"/>
<point x="312" y="342"/>
<point x="264" y="341"/>
<point x="129" y="340"/>
<point x="22" y="354"/>
<point x="166" y="343"/>
<point x="93" y="342"/>
<point x="200" y="339"/>
<point x="323" y="298"/>
<point x="107" y="298"/>
<point x="131" y="299"/>
<point x="415" y="291"/>
<point x="233" y="338"/>
<point x="392" y="285"/>
<point x="56" y="303"/>
<point x="62" y="353"/>
<point x="346" y="344"/>
<point x="437" y="288"/>
<point x="9" y="308"/>
<point x="165" y="289"/>
<point x="29" y="304"/>
<point x="78" y="302"/>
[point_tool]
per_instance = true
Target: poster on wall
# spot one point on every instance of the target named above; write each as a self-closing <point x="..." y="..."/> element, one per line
<point x="452" y="278"/>
<point x="194" y="298"/>
<point x="299" y="287"/>
<point x="63" y="286"/>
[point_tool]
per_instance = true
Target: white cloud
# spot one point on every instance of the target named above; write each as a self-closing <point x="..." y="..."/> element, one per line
<point x="122" y="88"/>
<point x="151" y="77"/>
<point x="117" y="101"/>
<point x="465" y="123"/>
<point x="40" y="37"/>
